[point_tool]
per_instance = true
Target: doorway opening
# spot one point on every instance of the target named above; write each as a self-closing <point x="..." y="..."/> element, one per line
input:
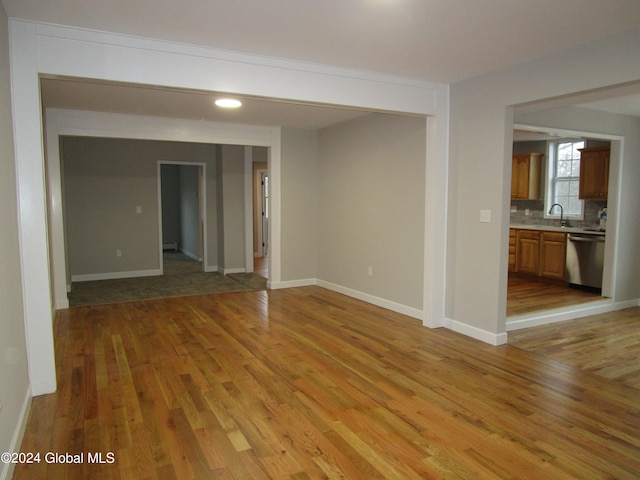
<point x="182" y="217"/>
<point x="543" y="237"/>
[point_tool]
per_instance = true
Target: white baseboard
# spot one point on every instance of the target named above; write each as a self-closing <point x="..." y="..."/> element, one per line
<point x="473" y="332"/>
<point x="380" y="302"/>
<point x="113" y="275"/>
<point x="60" y="304"/>
<point x="305" y="282"/>
<point x="365" y="297"/>
<point x="567" y="313"/>
<point x="226" y="271"/>
<point x="210" y="268"/>
<point x="16" y="440"/>
<point x="491" y="338"/>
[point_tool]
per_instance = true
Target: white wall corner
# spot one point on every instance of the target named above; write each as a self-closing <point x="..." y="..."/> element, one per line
<point x="491" y="338"/>
<point x="436" y="211"/>
<point x="61" y="303"/>
<point x="32" y="222"/>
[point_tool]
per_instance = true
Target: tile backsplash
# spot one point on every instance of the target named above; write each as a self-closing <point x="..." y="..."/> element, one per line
<point x="591" y="219"/>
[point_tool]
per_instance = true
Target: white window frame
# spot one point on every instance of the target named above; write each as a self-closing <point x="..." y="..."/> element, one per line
<point x="552" y="150"/>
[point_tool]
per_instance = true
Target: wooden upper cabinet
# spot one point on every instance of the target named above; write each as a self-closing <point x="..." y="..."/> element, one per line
<point x="526" y="169"/>
<point x="594" y="173"/>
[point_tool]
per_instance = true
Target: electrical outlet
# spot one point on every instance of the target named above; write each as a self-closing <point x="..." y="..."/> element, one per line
<point x="118" y="253"/>
<point x="370" y="271"/>
<point x="0" y="404"/>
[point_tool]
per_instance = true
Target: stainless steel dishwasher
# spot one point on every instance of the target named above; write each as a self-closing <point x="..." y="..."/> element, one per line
<point x="585" y="259"/>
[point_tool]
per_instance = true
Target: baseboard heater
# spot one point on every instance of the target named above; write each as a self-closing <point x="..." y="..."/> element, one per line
<point x="170" y="246"/>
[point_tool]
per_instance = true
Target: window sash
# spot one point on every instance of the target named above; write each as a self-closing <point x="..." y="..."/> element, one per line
<point x="564" y="179"/>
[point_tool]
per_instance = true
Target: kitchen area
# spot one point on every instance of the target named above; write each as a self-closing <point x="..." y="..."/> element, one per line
<point x="558" y="220"/>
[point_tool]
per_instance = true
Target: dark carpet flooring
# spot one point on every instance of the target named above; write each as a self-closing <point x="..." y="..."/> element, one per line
<point x="182" y="276"/>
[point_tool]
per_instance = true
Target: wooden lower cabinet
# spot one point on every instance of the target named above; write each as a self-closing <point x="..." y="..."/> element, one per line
<point x="553" y="254"/>
<point x="539" y="253"/>
<point x="527" y="251"/>
<point x="512" y="249"/>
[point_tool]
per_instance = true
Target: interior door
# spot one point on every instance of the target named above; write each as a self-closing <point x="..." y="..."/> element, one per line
<point x="265" y="212"/>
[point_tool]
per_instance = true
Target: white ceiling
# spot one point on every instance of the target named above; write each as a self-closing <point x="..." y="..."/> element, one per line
<point x="627" y="105"/>
<point x="159" y="102"/>
<point x="435" y="40"/>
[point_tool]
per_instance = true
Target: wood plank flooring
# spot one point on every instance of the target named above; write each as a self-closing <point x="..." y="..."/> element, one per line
<point x="261" y="266"/>
<point x="607" y="344"/>
<point x="527" y="295"/>
<point x="304" y="383"/>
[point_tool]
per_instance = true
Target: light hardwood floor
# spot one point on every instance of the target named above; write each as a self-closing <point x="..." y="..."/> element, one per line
<point x="527" y="295"/>
<point x="607" y="345"/>
<point x="261" y="266"/>
<point x="304" y="383"/>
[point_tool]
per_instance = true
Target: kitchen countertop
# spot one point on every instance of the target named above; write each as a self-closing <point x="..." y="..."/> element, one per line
<point x="551" y="228"/>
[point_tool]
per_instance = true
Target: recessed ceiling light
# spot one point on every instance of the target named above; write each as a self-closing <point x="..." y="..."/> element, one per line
<point x="228" y="103"/>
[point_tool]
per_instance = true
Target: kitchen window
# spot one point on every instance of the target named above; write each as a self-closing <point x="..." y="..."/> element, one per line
<point x="564" y="179"/>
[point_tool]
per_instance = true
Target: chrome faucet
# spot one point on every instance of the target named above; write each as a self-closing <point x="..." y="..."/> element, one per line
<point x="563" y="223"/>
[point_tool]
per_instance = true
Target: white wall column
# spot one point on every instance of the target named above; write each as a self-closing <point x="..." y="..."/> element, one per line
<point x="32" y="214"/>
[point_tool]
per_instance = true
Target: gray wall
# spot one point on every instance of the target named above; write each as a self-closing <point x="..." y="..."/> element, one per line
<point x="170" y="186"/>
<point x="230" y="194"/>
<point x="371" y="206"/>
<point x="13" y="357"/>
<point x="299" y="210"/>
<point x="104" y="181"/>
<point x="481" y="124"/>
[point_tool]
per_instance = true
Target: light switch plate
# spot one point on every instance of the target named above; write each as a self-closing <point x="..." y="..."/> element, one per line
<point x="485" y="216"/>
